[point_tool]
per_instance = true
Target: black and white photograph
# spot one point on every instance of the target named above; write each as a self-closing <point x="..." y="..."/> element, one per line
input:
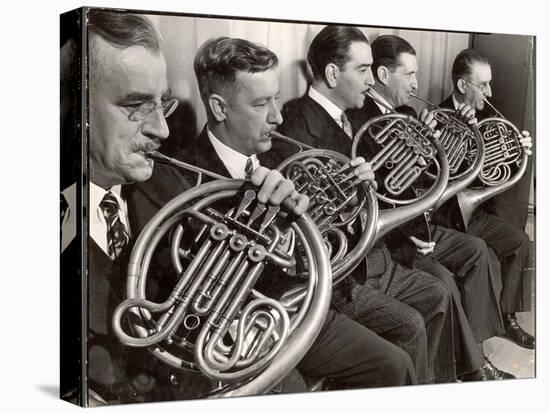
<point x="279" y="206"/>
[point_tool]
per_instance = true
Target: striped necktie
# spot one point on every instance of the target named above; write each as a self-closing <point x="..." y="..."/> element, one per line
<point x="117" y="234"/>
<point x="249" y="168"/>
<point x="346" y="126"/>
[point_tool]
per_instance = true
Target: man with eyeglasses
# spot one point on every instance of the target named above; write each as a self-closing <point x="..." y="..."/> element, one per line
<point x="472" y="76"/>
<point x="461" y="260"/>
<point x="129" y="100"/>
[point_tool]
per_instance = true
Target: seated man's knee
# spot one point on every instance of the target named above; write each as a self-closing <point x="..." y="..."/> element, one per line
<point x="477" y="247"/>
<point x="413" y="329"/>
<point x="440" y="292"/>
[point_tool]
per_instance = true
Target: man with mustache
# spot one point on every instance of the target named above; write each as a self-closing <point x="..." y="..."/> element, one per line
<point x="129" y="100"/>
<point x="452" y="255"/>
<point x="238" y="83"/>
<point x="471" y="75"/>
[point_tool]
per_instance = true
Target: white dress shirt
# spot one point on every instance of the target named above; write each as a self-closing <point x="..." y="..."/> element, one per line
<point x="234" y="161"/>
<point x="98" y="225"/>
<point x="334" y="111"/>
<point x="68" y="224"/>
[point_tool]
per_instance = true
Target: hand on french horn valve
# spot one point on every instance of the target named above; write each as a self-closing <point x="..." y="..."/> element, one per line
<point x="526" y="142"/>
<point x="363" y="171"/>
<point x="467" y="113"/>
<point x="276" y="189"/>
<point x="428" y="119"/>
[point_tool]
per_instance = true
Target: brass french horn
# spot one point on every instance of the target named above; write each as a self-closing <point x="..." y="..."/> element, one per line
<point x="504" y="165"/>
<point x="337" y="198"/>
<point x="404" y="149"/>
<point x="463" y="145"/>
<point x="215" y="320"/>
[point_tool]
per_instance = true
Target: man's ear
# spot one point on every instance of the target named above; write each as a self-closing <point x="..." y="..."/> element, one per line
<point x="332" y="73"/>
<point x="461" y="86"/>
<point x="218" y="106"/>
<point x="383" y="74"/>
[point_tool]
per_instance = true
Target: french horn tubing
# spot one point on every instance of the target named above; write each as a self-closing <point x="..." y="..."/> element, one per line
<point x="337" y="198"/>
<point x="463" y="145"/>
<point x="405" y="148"/>
<point x="215" y="320"/>
<point x="505" y="162"/>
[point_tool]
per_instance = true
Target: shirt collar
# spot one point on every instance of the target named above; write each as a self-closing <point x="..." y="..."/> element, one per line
<point x="234" y="161"/>
<point x="97" y="193"/>
<point x="326" y="103"/>
<point x="382" y="108"/>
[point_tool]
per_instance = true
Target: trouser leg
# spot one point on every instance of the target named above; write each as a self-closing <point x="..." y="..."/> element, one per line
<point x="429" y="296"/>
<point x="467" y="353"/>
<point x="351" y="356"/>
<point x="394" y="321"/>
<point x="468" y="258"/>
<point x="512" y="248"/>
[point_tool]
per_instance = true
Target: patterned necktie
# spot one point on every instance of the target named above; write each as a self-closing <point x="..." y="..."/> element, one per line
<point x="117" y="234"/>
<point x="346" y="126"/>
<point x="248" y="169"/>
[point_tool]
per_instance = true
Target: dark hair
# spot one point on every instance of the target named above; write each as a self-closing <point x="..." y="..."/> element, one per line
<point x="123" y="30"/>
<point x="331" y="45"/>
<point x="464" y="62"/>
<point x="219" y="59"/>
<point x="386" y="50"/>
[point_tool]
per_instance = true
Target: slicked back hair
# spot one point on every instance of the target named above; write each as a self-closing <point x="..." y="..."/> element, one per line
<point x="332" y="45"/>
<point x="386" y="50"/>
<point x="464" y="62"/>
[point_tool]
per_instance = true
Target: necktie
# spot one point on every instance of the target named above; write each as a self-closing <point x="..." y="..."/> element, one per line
<point x="346" y="126"/>
<point x="117" y="234"/>
<point x="249" y="168"/>
<point x="63" y="207"/>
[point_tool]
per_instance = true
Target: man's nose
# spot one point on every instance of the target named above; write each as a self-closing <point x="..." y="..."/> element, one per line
<point x="488" y="91"/>
<point x="155" y="125"/>
<point x="414" y="82"/>
<point x="274" y="116"/>
<point x="370" y="78"/>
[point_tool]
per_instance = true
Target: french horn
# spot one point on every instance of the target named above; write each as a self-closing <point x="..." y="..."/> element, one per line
<point x="337" y="199"/>
<point x="215" y="319"/>
<point x="505" y="162"/>
<point x="463" y="145"/>
<point x="404" y="148"/>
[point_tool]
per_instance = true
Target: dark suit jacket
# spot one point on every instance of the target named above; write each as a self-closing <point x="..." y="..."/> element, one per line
<point x="113" y="367"/>
<point x="449" y="214"/>
<point x="146" y="198"/>
<point x="398" y="241"/>
<point x="306" y="121"/>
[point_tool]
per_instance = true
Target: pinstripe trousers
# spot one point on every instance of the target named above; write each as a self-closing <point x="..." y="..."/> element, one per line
<point x="467" y="258"/>
<point x="409" y="308"/>
<point x="511" y="246"/>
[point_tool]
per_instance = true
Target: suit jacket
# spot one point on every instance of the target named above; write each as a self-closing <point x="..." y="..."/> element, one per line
<point x="449" y="214"/>
<point x="398" y="241"/>
<point x="306" y="121"/>
<point x="146" y="198"/>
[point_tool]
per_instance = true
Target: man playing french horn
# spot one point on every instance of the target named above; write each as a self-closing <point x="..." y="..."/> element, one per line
<point x="408" y="307"/>
<point x="129" y="100"/>
<point x="455" y="254"/>
<point x="238" y="82"/>
<point x="471" y="75"/>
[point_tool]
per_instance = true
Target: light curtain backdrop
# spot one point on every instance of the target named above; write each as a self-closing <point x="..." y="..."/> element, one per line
<point x="290" y="41"/>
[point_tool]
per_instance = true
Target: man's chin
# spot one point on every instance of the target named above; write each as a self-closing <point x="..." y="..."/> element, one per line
<point x="263" y="147"/>
<point x="143" y="174"/>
